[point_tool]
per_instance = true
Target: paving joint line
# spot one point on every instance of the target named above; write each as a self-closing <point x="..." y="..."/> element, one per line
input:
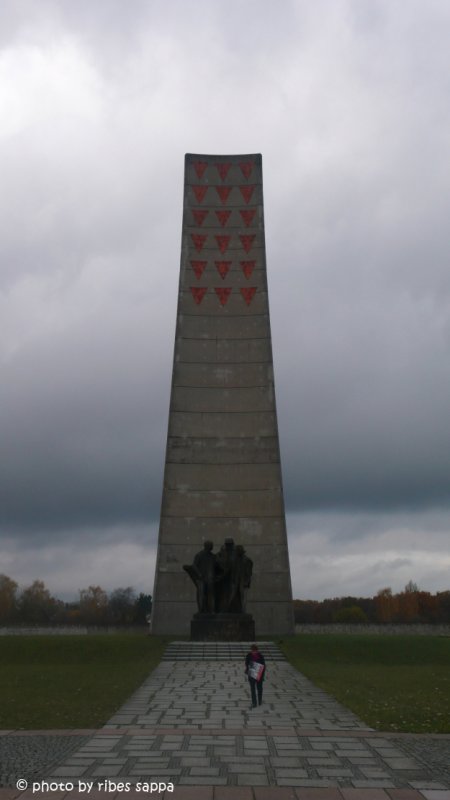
<point x="201" y="732"/>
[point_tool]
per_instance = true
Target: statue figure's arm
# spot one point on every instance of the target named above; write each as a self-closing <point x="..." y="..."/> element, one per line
<point x="193" y="573"/>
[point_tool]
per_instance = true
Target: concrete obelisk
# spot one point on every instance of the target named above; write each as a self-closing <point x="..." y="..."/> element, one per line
<point x="222" y="474"/>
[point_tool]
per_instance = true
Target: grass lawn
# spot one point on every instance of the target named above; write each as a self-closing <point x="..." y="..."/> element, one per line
<point x="71" y="681"/>
<point x="393" y="683"/>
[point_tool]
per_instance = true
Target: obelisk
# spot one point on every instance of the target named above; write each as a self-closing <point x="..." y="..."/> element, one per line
<point x="222" y="473"/>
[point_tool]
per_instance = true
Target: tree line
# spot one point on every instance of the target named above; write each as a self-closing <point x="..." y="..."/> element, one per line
<point x="34" y="605"/>
<point x="408" y="606"/>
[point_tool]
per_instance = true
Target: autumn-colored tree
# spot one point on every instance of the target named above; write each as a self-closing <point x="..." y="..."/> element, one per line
<point x="408" y="603"/>
<point x="37" y="606"/>
<point x="385" y="605"/>
<point x="304" y="611"/>
<point x="72" y="614"/>
<point x="444" y="606"/>
<point x="8" y="592"/>
<point x="428" y="607"/>
<point x="93" y="605"/>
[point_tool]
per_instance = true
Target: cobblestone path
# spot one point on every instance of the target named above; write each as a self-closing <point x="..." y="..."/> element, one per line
<point x="190" y="724"/>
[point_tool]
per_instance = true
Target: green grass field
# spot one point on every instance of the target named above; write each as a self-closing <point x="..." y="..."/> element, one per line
<point x="393" y="683"/>
<point x="71" y="681"/>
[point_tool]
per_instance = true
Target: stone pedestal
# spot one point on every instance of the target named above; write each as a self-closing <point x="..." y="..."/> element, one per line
<point x="222" y="628"/>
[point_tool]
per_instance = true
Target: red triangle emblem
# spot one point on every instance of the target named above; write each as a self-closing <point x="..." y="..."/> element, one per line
<point x="199" y="215"/>
<point x="199" y="241"/>
<point x="223" y="242"/>
<point x="248" y="267"/>
<point x="223" y="293"/>
<point x="223" y="192"/>
<point x="222" y="169"/>
<point x="223" y="216"/>
<point x="247" y="215"/>
<point x="247" y="293"/>
<point x="200" y="167"/>
<point x="246" y="192"/>
<point x="199" y="268"/>
<point x="246" y="168"/>
<point x="222" y="268"/>
<point x="198" y="293"/>
<point x="247" y="240"/>
<point x="200" y="192"/>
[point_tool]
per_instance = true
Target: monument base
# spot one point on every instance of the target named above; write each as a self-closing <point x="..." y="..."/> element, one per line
<point x="222" y="628"/>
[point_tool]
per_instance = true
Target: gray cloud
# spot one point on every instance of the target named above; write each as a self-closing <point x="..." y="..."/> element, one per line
<point x="123" y="555"/>
<point x="348" y="102"/>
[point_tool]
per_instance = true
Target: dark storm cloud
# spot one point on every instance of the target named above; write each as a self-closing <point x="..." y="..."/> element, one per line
<point x="371" y="388"/>
<point x="81" y="429"/>
<point x="348" y="102"/>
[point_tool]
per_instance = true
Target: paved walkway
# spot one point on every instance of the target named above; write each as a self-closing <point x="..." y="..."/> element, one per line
<point x="190" y="724"/>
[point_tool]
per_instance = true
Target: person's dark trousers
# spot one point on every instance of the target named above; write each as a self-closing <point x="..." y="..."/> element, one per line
<point x="256" y="688"/>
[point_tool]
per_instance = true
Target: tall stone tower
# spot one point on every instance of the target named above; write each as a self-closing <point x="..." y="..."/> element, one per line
<point x="222" y="474"/>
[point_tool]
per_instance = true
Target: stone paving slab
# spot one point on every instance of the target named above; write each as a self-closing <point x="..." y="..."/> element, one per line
<point x="190" y="725"/>
<point x="222" y="792"/>
<point x="216" y="693"/>
<point x="196" y="753"/>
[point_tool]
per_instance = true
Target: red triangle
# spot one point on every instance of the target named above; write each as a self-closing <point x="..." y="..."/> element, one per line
<point x="247" y="240"/>
<point x="247" y="293"/>
<point x="198" y="293"/>
<point x="198" y="267"/>
<point x="223" y="293"/>
<point x="246" y="168"/>
<point x="247" y="267"/>
<point x="199" y="215"/>
<point x="200" y="167"/>
<point x="222" y="169"/>
<point x="222" y="268"/>
<point x="223" y="192"/>
<point x="199" y="241"/>
<point x="223" y="242"/>
<point x="223" y="216"/>
<point x="247" y="215"/>
<point x="199" y="192"/>
<point x="246" y="192"/>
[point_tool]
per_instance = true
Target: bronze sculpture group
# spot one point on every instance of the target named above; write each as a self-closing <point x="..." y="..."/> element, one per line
<point x="222" y="579"/>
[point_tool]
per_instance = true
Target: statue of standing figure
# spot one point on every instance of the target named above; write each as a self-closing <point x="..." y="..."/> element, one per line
<point x="222" y="580"/>
<point x="203" y="573"/>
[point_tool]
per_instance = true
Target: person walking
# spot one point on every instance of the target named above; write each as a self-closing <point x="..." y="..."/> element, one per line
<point x="255" y="668"/>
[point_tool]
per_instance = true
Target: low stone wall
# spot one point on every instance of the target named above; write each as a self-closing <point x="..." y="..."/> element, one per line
<point x="69" y="630"/>
<point x="393" y="630"/>
<point x="84" y="630"/>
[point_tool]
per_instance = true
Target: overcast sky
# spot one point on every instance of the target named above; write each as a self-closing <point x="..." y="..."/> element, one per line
<point x="349" y="103"/>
